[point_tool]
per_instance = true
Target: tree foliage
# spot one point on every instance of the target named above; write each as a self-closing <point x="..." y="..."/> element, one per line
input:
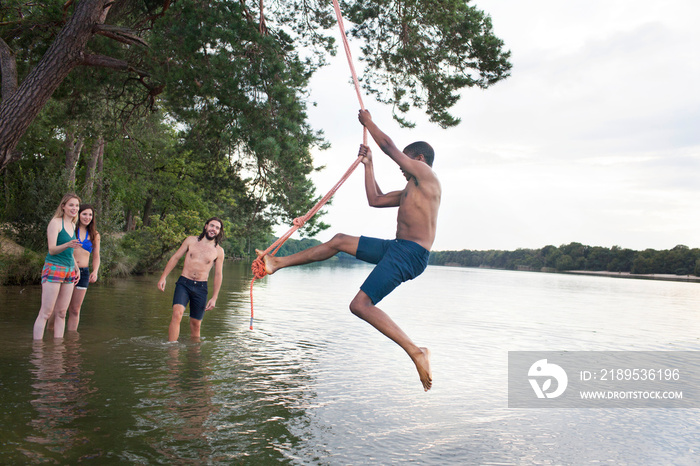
<point x="420" y="54"/>
<point x="149" y="108"/>
<point x="681" y="260"/>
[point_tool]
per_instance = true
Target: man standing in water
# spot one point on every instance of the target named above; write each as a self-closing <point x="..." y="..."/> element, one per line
<point x="398" y="260"/>
<point x="201" y="253"/>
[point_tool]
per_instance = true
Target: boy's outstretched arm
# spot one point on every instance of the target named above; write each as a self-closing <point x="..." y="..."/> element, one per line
<point x="407" y="164"/>
<point x="383" y="141"/>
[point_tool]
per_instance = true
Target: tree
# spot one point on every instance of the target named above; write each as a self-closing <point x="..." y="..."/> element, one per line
<point x="620" y="259"/>
<point x="564" y="262"/>
<point x="643" y="262"/>
<point x="418" y="53"/>
<point x="550" y="254"/>
<point x="201" y="105"/>
<point x="21" y="103"/>
<point x="597" y="259"/>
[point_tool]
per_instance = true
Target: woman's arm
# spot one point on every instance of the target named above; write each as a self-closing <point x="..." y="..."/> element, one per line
<point x="95" y="258"/>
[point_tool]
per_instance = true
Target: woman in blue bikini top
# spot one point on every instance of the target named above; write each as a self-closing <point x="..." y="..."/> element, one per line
<point x="89" y="244"/>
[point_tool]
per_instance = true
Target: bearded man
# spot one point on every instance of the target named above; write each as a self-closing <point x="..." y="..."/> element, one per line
<point x="201" y="253"/>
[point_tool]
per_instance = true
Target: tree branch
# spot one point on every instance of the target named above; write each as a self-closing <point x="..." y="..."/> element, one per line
<point x="151" y="19"/>
<point x="263" y="26"/>
<point x="103" y="61"/>
<point x="65" y="8"/>
<point x="8" y="71"/>
<point x="120" y="34"/>
<point x="65" y="52"/>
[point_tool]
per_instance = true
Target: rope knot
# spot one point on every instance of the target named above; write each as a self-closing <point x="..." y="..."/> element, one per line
<point x="299" y="222"/>
<point x="258" y="268"/>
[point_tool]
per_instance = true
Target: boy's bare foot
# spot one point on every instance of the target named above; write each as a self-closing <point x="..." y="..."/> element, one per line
<point x="270" y="267"/>
<point x="422" y="362"/>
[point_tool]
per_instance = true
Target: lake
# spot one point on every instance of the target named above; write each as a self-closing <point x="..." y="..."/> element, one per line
<point x="313" y="384"/>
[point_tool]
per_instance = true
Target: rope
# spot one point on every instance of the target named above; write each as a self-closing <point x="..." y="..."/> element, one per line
<point x="258" y="266"/>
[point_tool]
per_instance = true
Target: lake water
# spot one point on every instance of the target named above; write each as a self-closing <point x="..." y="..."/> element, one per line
<point x="312" y="384"/>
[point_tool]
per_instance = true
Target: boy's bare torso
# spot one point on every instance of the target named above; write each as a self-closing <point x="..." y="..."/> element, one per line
<point x="418" y="209"/>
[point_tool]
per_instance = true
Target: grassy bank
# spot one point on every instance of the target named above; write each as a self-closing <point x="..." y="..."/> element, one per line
<point x="19" y="265"/>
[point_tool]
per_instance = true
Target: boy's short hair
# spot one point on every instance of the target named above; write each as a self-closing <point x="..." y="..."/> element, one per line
<point x="420" y="148"/>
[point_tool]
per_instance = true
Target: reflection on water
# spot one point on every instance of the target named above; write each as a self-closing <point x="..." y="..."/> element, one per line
<point x="312" y="384"/>
<point x="60" y="390"/>
<point x="176" y="411"/>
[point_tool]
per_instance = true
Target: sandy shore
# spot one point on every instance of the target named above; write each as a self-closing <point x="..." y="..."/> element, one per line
<point x="9" y="247"/>
<point x="651" y="276"/>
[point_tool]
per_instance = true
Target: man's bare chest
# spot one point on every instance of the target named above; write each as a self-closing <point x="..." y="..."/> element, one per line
<point x="202" y="253"/>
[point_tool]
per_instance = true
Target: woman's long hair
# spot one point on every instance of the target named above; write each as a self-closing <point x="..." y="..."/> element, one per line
<point x="92" y="231"/>
<point x="218" y="238"/>
<point x="64" y="201"/>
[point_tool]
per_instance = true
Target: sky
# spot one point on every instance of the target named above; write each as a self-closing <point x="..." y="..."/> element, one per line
<point x="594" y="138"/>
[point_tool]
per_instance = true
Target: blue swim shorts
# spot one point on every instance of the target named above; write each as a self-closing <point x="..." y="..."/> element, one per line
<point x="398" y="260"/>
<point x="84" y="278"/>
<point x="194" y="292"/>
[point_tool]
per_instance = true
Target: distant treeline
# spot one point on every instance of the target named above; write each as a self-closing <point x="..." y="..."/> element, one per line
<point x="293" y="246"/>
<point x="681" y="260"/>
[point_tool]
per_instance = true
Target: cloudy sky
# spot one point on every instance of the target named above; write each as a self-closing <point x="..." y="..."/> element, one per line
<point x="595" y="137"/>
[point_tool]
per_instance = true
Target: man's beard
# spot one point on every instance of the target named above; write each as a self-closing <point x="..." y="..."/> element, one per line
<point x="210" y="235"/>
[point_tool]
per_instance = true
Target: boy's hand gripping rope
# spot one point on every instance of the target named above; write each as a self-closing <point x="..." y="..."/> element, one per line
<point x="258" y="266"/>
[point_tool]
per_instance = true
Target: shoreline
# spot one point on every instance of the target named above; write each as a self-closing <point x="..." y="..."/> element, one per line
<point x="637" y="276"/>
<point x="628" y="275"/>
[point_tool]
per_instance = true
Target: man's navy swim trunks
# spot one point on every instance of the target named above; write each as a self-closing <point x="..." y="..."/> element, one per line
<point x="191" y="291"/>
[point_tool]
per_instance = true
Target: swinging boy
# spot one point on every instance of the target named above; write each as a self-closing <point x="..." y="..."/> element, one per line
<point x="397" y="260"/>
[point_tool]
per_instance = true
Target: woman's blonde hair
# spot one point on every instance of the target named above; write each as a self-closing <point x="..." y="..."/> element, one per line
<point x="64" y="201"/>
